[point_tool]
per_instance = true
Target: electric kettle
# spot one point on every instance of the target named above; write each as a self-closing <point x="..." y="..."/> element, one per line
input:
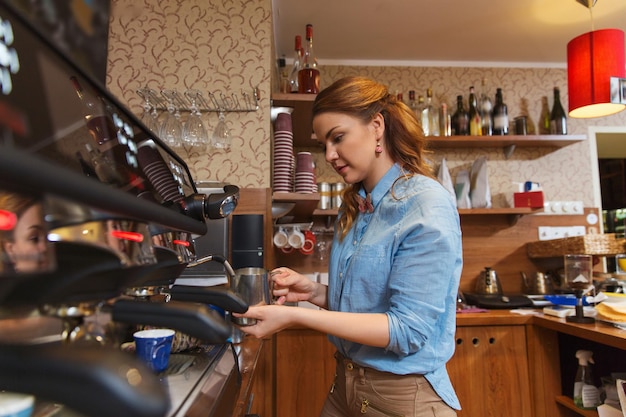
<point x="488" y="283"/>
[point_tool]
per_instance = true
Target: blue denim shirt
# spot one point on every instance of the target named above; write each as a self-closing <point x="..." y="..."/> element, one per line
<point x="404" y="260"/>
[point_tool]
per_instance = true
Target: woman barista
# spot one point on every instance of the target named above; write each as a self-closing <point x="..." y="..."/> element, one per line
<point x="395" y="262"/>
<point x="23" y="243"/>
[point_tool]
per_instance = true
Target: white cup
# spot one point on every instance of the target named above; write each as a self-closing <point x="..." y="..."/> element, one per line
<point x="281" y="238"/>
<point x="296" y="238"/>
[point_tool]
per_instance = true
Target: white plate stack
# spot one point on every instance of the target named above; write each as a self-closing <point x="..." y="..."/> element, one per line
<point x="284" y="161"/>
<point x="305" y="173"/>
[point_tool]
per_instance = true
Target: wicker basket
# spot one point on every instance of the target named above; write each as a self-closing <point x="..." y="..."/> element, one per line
<point x="600" y="244"/>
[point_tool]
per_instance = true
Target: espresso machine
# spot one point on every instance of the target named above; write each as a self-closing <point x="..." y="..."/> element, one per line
<point x="97" y="215"/>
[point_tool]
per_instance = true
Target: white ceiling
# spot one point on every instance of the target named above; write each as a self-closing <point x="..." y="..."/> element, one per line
<point x="441" y="32"/>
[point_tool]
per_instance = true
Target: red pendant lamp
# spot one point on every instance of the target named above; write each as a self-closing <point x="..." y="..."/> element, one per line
<point x="592" y="59"/>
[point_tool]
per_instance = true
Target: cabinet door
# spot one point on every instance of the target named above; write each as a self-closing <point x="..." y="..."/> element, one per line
<point x="489" y="371"/>
<point x="305" y="369"/>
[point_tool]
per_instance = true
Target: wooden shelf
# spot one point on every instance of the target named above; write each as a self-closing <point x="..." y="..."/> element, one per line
<point x="306" y="204"/>
<point x="302" y="105"/>
<point x="504" y="141"/>
<point x="569" y="403"/>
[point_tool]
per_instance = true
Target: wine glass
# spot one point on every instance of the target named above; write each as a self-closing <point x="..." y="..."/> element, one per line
<point x="194" y="132"/>
<point x="221" y="136"/>
<point x="150" y="115"/>
<point x="171" y="130"/>
<point x="578" y="274"/>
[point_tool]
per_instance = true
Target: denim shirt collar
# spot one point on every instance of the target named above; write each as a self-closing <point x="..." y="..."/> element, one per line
<point x="383" y="186"/>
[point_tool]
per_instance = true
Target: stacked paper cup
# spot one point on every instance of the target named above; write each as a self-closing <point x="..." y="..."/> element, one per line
<point x="305" y="173"/>
<point x="284" y="160"/>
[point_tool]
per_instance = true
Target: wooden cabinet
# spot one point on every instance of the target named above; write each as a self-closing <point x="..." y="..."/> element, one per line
<point x="305" y="369"/>
<point x="489" y="371"/>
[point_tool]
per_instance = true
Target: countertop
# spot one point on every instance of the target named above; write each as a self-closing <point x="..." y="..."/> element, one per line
<point x="598" y="331"/>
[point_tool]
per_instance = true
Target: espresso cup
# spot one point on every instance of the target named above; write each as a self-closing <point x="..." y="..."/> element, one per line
<point x="153" y="347"/>
<point x="281" y="238"/>
<point x="309" y="243"/>
<point x="296" y="238"/>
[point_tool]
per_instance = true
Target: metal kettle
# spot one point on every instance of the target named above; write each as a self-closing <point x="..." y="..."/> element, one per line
<point x="488" y="283"/>
<point x="538" y="284"/>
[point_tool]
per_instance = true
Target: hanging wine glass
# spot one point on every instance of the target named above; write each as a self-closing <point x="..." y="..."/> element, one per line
<point x="221" y="136"/>
<point x="194" y="132"/>
<point x="171" y="130"/>
<point x="149" y="117"/>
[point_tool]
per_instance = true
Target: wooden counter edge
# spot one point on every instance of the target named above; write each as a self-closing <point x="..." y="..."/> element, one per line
<point x="249" y="352"/>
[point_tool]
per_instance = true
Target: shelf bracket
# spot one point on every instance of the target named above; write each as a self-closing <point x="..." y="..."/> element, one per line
<point x="508" y="151"/>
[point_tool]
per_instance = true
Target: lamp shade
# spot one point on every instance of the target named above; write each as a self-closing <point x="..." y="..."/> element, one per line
<point x="592" y="59"/>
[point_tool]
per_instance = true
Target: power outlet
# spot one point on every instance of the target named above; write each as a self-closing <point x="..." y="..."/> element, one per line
<point x="563" y="207"/>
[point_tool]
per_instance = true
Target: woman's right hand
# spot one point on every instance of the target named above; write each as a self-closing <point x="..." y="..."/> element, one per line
<point x="291" y="287"/>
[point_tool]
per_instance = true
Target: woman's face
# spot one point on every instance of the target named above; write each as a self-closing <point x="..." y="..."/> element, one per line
<point x="28" y="250"/>
<point x="350" y="145"/>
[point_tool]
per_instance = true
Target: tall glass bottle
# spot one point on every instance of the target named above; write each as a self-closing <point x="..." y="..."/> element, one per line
<point x="430" y="116"/>
<point x="500" y="115"/>
<point x="475" y="121"/>
<point x="544" y="118"/>
<point x="297" y="62"/>
<point x="309" y="74"/>
<point x="98" y="123"/>
<point x="558" y="119"/>
<point x="486" y="108"/>
<point x="460" y="119"/>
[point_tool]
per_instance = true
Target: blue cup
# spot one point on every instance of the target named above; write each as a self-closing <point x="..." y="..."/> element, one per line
<point x="153" y="347"/>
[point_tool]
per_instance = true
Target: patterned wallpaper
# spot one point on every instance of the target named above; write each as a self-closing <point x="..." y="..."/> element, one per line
<point x="209" y="45"/>
<point x="217" y="45"/>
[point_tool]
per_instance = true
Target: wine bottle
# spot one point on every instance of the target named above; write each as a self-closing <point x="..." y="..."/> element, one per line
<point x="309" y="74"/>
<point x="460" y="119"/>
<point x="558" y="119"/>
<point x="430" y="116"/>
<point x="486" y="109"/>
<point x="500" y="115"/>
<point x="98" y="123"/>
<point x="283" y="76"/>
<point x="475" y="121"/>
<point x="295" y="67"/>
<point x="544" y="119"/>
<point x="419" y="109"/>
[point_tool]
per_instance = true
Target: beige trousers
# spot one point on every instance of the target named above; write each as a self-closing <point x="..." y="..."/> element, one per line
<point x="359" y="391"/>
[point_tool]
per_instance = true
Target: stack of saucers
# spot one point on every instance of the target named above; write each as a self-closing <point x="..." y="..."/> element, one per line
<point x="284" y="160"/>
<point x="305" y="173"/>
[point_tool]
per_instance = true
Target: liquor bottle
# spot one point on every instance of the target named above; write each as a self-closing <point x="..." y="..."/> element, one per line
<point x="500" y="115"/>
<point x="445" y="120"/>
<point x="283" y="77"/>
<point x="99" y="124"/>
<point x="460" y="119"/>
<point x="309" y="74"/>
<point x="475" y="121"/>
<point x="558" y="119"/>
<point x="297" y="62"/>
<point x="419" y="109"/>
<point x="486" y="109"/>
<point x="544" y="118"/>
<point x="399" y="96"/>
<point x="412" y="101"/>
<point x="430" y="116"/>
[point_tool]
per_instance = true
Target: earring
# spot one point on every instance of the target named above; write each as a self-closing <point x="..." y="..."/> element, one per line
<point x="378" y="149"/>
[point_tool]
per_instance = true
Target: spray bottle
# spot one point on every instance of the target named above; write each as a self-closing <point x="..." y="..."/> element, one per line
<point x="586" y="394"/>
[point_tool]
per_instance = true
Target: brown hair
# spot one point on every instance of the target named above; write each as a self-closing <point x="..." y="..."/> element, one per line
<point x="363" y="98"/>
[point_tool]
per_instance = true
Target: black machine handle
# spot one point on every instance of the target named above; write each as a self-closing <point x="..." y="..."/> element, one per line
<point x="213" y="206"/>
<point x="196" y="320"/>
<point x="95" y="381"/>
<point x="220" y="297"/>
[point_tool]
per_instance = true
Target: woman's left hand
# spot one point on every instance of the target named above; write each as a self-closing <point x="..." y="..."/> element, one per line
<point x="269" y="319"/>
